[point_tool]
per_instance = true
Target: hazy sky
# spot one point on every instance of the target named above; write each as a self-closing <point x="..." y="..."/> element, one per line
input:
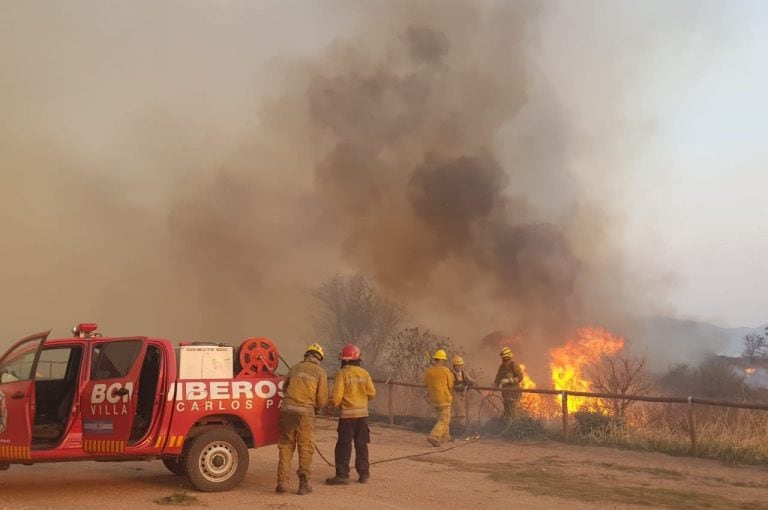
<point x="667" y="100"/>
<point x="694" y="106"/>
<point x="700" y="207"/>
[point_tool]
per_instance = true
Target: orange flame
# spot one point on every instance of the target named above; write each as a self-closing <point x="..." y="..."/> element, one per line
<point x="568" y="362"/>
<point x="531" y="402"/>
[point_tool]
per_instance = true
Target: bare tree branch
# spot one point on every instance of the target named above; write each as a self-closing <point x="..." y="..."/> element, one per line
<point x="755" y="346"/>
<point x="623" y="376"/>
<point x="350" y="310"/>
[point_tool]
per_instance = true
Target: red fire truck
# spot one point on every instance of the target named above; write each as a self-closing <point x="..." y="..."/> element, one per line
<point x="198" y="408"/>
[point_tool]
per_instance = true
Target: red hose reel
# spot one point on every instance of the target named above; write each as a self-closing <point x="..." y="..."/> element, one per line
<point x="258" y="358"/>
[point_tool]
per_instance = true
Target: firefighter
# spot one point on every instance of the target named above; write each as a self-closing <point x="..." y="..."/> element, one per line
<point x="352" y="389"/>
<point x="439" y="382"/>
<point x="306" y="391"/>
<point x="509" y="375"/>
<point x="462" y="380"/>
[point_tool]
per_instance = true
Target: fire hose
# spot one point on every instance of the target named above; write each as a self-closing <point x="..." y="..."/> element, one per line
<point x="467" y="441"/>
<point x="474" y="438"/>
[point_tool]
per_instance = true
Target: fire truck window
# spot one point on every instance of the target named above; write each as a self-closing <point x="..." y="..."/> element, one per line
<point x="115" y="359"/>
<point x="17" y="368"/>
<point x="53" y="363"/>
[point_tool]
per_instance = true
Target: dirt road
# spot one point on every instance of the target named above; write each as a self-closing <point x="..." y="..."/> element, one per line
<point x="488" y="474"/>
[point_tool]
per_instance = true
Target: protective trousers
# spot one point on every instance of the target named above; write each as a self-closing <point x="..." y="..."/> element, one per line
<point x="441" y="430"/>
<point x="510" y="403"/>
<point x="459" y="404"/>
<point x="296" y="431"/>
<point x="352" y="430"/>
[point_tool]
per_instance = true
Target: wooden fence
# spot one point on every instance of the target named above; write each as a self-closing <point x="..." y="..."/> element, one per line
<point x="690" y="402"/>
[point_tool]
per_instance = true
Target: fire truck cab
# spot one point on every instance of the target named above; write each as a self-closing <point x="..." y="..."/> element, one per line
<point x="198" y="408"/>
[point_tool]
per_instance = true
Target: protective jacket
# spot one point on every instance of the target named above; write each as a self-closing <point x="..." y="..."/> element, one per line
<point x="306" y="388"/>
<point x="439" y="382"/>
<point x="352" y="389"/>
<point x="508" y="375"/>
<point x="461" y="380"/>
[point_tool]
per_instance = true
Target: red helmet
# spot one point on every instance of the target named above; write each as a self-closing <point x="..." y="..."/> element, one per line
<point x="350" y="352"/>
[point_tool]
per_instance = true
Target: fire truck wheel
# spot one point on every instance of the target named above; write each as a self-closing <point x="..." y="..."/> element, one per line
<point x="175" y="465"/>
<point x="216" y="460"/>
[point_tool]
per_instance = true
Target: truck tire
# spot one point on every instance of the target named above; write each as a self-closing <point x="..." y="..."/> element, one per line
<point x="216" y="460"/>
<point x="175" y="465"/>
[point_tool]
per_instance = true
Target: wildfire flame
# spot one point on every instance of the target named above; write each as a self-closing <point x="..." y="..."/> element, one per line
<point x="529" y="401"/>
<point x="568" y="363"/>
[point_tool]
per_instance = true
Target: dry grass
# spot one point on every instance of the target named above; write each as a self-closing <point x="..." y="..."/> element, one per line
<point x="730" y="435"/>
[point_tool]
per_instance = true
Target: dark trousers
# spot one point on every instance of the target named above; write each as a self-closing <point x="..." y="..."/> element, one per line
<point x="352" y="430"/>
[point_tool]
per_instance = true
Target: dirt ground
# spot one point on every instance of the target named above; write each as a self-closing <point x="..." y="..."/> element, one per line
<point x="488" y="473"/>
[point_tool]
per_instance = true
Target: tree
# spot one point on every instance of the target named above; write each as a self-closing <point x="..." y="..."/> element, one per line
<point x="350" y="310"/>
<point x="755" y="346"/>
<point x="718" y="379"/>
<point x="410" y="353"/>
<point x="714" y="378"/>
<point x="621" y="375"/>
<point x="408" y="357"/>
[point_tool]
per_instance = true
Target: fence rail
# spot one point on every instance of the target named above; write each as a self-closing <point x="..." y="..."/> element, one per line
<point x="690" y="402"/>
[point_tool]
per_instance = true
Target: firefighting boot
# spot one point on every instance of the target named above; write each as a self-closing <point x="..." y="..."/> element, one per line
<point x="304" y="487"/>
<point x="281" y="488"/>
<point x="364" y="478"/>
<point x="337" y="480"/>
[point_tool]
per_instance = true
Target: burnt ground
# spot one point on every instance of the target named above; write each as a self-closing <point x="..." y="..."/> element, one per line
<point x="490" y="473"/>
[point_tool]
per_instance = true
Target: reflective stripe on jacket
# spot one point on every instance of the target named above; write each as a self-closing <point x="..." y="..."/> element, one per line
<point x="439" y="382"/>
<point x="306" y="388"/>
<point x="352" y="389"/>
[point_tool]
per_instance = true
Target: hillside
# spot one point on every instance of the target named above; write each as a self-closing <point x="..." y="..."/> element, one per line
<point x="668" y="341"/>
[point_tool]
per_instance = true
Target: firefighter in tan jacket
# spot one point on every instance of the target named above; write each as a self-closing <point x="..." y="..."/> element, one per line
<point x="306" y="391"/>
<point x="461" y="381"/>
<point x="439" y="382"/>
<point x="509" y="375"/>
<point x="352" y="389"/>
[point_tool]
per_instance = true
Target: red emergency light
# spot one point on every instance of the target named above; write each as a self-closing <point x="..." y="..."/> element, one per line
<point x="88" y="327"/>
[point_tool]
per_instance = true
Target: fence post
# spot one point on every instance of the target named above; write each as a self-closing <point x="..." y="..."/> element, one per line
<point x="692" y="427"/>
<point x="391" y="404"/>
<point x="565" y="415"/>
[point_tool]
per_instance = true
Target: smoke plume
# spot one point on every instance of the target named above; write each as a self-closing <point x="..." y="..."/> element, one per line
<point x="176" y="172"/>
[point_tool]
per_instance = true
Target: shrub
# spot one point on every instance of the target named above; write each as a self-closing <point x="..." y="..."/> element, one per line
<point x="522" y="428"/>
<point x="591" y="423"/>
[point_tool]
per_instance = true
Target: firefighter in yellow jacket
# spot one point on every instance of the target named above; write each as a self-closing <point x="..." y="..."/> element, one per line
<point x="439" y="382"/>
<point x="352" y="389"/>
<point x="306" y="391"/>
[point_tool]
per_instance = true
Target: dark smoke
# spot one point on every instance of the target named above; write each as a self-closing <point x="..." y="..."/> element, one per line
<point x="413" y="171"/>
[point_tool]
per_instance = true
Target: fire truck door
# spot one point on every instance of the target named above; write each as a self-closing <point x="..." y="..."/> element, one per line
<point x="17" y="397"/>
<point x="108" y="402"/>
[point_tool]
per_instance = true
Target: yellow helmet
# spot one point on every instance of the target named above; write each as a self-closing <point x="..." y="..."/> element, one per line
<point x="457" y="360"/>
<point x="440" y="354"/>
<point x="316" y="349"/>
<point x="506" y="353"/>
